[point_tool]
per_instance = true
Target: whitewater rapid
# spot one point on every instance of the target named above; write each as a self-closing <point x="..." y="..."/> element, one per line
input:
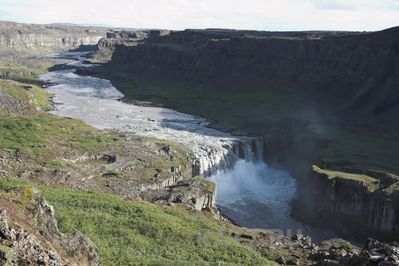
<point x="95" y="101"/>
<point x="248" y="191"/>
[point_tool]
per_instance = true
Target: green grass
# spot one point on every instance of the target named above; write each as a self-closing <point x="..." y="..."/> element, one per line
<point x="24" y="194"/>
<point x="57" y="163"/>
<point x="9" y="253"/>
<point x="25" y="74"/>
<point x="372" y="183"/>
<point x="32" y="134"/>
<point x="361" y="150"/>
<point x="15" y="90"/>
<point x="92" y="143"/>
<point x="41" y="98"/>
<point x="181" y="154"/>
<point x="230" y="109"/>
<point x="134" y="232"/>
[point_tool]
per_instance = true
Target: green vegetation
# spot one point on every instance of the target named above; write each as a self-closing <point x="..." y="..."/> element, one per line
<point x="25" y="74"/>
<point x="180" y="153"/>
<point x="34" y="134"/>
<point x="129" y="232"/>
<point x="277" y="113"/>
<point x="372" y="183"/>
<point x="15" y="90"/>
<point x="92" y="143"/>
<point x="126" y="232"/>
<point x="57" y="163"/>
<point x="361" y="150"/>
<point x="41" y="98"/>
<point x="231" y="110"/>
<point x="21" y="191"/>
<point x="24" y="93"/>
<point x="9" y="253"/>
<point x="392" y="188"/>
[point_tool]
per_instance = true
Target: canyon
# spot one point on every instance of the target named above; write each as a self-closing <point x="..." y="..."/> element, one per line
<point x="247" y="104"/>
<point x="316" y="98"/>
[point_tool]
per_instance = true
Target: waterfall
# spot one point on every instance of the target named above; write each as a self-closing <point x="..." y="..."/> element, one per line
<point x="81" y="97"/>
<point x="223" y="157"/>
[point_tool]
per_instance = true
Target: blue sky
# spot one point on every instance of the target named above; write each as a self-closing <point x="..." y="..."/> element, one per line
<point x="181" y="14"/>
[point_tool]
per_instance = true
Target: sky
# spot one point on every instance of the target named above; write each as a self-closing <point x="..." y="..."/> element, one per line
<point x="280" y="15"/>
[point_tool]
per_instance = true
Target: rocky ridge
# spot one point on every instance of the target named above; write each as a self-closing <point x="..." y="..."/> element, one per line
<point x="32" y="237"/>
<point x="29" y="36"/>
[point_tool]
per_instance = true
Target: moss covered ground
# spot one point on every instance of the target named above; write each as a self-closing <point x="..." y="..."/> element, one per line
<point x="129" y="232"/>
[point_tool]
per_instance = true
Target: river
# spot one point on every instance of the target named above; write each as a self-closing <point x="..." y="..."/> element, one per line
<point x="248" y="191"/>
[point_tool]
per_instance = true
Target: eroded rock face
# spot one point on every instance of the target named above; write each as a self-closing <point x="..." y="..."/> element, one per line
<point x="342" y="71"/>
<point x="77" y="246"/>
<point x="9" y="104"/>
<point x="357" y="212"/>
<point x="197" y="193"/>
<point x="300" y="250"/>
<point x="377" y="253"/>
<point x="36" y="240"/>
<point x="106" y="46"/>
<point x="14" y="35"/>
<point x="23" y="248"/>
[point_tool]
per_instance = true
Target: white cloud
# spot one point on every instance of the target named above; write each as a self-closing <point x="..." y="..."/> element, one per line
<point x="356" y="4"/>
<point x="180" y="14"/>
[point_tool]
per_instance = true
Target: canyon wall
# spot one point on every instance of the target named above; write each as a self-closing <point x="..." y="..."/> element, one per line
<point x="354" y="72"/>
<point x="29" y="36"/>
<point x="364" y="212"/>
<point x="329" y="82"/>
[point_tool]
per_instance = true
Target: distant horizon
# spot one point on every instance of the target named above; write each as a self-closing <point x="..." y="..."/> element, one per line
<point x="261" y="15"/>
<point x="208" y="28"/>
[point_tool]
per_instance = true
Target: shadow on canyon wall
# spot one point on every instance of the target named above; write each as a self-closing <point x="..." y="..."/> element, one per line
<point x="318" y="98"/>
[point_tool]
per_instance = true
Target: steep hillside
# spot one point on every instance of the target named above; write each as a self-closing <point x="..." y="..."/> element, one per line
<point x="317" y="98"/>
<point x="346" y="73"/>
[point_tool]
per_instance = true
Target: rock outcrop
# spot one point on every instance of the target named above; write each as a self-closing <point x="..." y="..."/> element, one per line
<point x="196" y="193"/>
<point x="30" y="36"/>
<point x="32" y="237"/>
<point x="362" y="206"/>
<point x="300" y="250"/>
<point x="377" y="253"/>
<point x="106" y="46"/>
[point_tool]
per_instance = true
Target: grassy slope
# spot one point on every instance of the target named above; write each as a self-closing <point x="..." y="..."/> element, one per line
<point x="34" y="131"/>
<point x="126" y="232"/>
<point x="134" y="232"/>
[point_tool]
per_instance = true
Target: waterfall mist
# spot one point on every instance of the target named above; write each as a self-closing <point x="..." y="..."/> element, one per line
<point x="255" y="195"/>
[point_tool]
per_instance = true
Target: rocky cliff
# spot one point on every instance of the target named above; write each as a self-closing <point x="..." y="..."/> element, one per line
<point x="342" y="71"/>
<point x="29" y="234"/>
<point x="361" y="205"/>
<point x="29" y="36"/>
<point x="106" y="45"/>
<point x="316" y="97"/>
